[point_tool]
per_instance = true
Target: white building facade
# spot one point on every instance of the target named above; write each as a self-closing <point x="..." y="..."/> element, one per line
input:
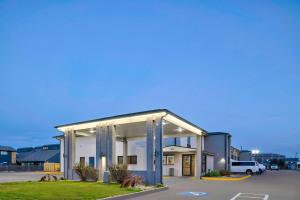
<point x="138" y="140"/>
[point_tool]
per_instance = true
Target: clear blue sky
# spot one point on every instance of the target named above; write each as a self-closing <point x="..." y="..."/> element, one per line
<point x="225" y="65"/>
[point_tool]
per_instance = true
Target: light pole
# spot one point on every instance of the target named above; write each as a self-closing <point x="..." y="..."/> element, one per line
<point x="254" y="152"/>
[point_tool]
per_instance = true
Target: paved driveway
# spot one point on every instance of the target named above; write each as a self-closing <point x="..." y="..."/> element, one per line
<point x="273" y="185"/>
<point x="21" y="176"/>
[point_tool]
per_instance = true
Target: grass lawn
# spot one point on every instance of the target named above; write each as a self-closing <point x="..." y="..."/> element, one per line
<point x="60" y="190"/>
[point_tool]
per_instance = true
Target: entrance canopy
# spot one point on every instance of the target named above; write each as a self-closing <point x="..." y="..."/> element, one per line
<point x="133" y="124"/>
<point x="178" y="149"/>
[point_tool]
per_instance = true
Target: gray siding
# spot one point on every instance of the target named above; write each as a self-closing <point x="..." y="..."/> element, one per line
<point x="219" y="144"/>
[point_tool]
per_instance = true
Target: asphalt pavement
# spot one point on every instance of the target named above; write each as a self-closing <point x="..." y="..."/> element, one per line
<point x="272" y="185"/>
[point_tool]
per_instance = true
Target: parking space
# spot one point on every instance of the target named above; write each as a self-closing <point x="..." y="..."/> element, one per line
<point x="272" y="185"/>
<point x="245" y="196"/>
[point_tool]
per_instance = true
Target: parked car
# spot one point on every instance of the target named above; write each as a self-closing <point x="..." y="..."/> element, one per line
<point x="262" y="168"/>
<point x="274" y="167"/>
<point x="248" y="167"/>
<point x="298" y="166"/>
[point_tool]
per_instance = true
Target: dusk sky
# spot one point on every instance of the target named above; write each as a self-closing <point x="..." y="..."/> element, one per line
<point x="231" y="66"/>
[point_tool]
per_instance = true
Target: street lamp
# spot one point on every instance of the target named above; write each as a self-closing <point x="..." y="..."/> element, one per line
<point x="254" y="153"/>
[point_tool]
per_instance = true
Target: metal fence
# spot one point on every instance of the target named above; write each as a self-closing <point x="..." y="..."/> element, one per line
<point x="21" y="168"/>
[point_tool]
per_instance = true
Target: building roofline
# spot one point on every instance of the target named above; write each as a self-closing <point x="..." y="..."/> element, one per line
<point x="131" y="115"/>
<point x="218" y="133"/>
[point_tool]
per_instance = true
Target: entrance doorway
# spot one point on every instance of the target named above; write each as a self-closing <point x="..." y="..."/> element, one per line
<point x="188" y="165"/>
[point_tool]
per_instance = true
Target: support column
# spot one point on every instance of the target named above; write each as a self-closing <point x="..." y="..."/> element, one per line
<point x="149" y="150"/>
<point x="98" y="152"/>
<point x="111" y="145"/>
<point x="70" y="156"/>
<point x="125" y="151"/>
<point x="198" y="156"/>
<point x="65" y="155"/>
<point x="104" y="147"/>
<point x="158" y="151"/>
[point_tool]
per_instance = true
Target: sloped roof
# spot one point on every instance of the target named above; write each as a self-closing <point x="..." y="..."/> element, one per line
<point x="38" y="155"/>
<point x="6" y="148"/>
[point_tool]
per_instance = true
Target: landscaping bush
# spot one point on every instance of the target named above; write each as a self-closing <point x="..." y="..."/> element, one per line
<point x="48" y="177"/>
<point x="86" y="173"/>
<point x="132" y="181"/>
<point x="212" y="174"/>
<point x="119" y="173"/>
<point x="225" y="173"/>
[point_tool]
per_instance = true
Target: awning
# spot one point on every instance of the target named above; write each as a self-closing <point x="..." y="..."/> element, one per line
<point x="178" y="149"/>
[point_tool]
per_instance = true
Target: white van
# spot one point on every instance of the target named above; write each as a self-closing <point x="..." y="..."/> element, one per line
<point x="248" y="167"/>
<point x="298" y="166"/>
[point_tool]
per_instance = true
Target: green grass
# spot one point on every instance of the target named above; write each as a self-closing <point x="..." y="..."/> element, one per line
<point x="60" y="190"/>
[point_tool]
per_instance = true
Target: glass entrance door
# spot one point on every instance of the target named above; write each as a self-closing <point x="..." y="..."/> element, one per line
<point x="186" y="165"/>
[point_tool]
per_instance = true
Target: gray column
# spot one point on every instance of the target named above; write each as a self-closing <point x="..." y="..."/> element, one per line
<point x="198" y="156"/>
<point x="65" y="155"/>
<point x="125" y="151"/>
<point x="149" y="150"/>
<point x="158" y="151"/>
<point x="104" y="145"/>
<point x="98" y="152"/>
<point x="71" y="153"/>
<point x="110" y="146"/>
<point x="113" y="150"/>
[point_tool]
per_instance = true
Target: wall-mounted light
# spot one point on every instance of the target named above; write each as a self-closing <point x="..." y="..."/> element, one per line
<point x="222" y="160"/>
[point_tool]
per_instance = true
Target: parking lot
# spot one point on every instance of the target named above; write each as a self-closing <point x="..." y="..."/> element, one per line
<point x="272" y="185"/>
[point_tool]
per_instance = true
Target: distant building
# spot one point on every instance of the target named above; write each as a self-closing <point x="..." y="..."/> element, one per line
<point x="37" y="156"/>
<point x="245" y="155"/>
<point x="219" y="144"/>
<point x="291" y="163"/>
<point x="266" y="158"/>
<point x="7" y="155"/>
<point x="235" y="153"/>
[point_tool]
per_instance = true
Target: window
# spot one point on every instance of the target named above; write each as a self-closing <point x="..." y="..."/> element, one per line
<point x="168" y="160"/>
<point x="243" y="163"/>
<point x="82" y="161"/>
<point x="4" y="153"/>
<point x="236" y="163"/>
<point x="91" y="161"/>
<point x="164" y="160"/>
<point x="132" y="160"/>
<point x="120" y="160"/>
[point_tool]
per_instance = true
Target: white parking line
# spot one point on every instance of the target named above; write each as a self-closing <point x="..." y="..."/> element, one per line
<point x="251" y="196"/>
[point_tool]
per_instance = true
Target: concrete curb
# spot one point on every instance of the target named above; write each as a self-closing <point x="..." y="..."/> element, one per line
<point x="136" y="194"/>
<point x="225" y="178"/>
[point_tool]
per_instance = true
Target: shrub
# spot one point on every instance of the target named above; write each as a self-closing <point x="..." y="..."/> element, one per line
<point x="224" y="173"/>
<point x="118" y="173"/>
<point x="48" y="177"/>
<point x="159" y="185"/>
<point x="132" y="181"/>
<point x="212" y="174"/>
<point x="86" y="173"/>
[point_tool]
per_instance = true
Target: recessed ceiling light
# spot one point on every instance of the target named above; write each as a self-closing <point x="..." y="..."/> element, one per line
<point x="92" y="131"/>
<point x="179" y="129"/>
